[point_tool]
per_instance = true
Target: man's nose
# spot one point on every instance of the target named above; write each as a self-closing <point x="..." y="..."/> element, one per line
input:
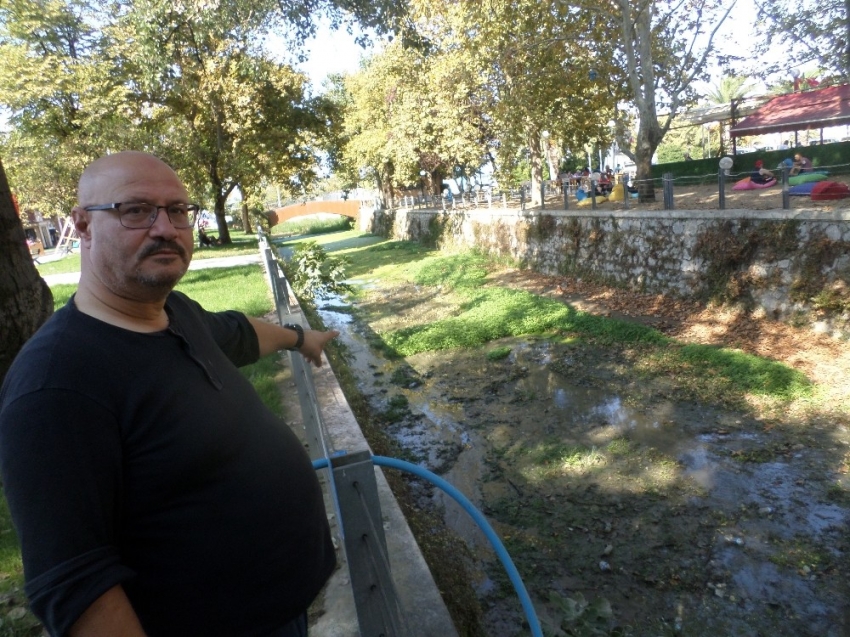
<point x="162" y="225"/>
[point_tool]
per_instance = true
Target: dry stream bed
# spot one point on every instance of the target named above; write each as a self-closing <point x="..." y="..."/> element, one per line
<point x="610" y="487"/>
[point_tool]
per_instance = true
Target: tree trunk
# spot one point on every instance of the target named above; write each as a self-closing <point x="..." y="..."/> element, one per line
<point x="644" y="150"/>
<point x="220" y="210"/>
<point x="25" y="299"/>
<point x="536" y="158"/>
<point x="246" y="221"/>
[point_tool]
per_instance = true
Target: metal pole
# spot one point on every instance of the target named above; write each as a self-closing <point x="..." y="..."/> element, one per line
<point x="626" y="194"/>
<point x="566" y="197"/>
<point x="786" y="198"/>
<point x="542" y="193"/>
<point x="667" y="180"/>
<point x="721" y="189"/>
<point x="378" y="609"/>
<point x="521" y="198"/>
<point x="593" y="194"/>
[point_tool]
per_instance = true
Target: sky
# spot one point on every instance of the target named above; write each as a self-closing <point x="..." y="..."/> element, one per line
<point x="331" y="52"/>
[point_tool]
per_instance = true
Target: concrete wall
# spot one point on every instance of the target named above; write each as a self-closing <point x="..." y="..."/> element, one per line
<point x="792" y="264"/>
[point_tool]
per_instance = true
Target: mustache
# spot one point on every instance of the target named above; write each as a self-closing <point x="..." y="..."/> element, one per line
<point x="159" y="245"/>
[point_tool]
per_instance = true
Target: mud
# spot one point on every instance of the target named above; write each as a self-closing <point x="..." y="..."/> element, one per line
<point x="687" y="518"/>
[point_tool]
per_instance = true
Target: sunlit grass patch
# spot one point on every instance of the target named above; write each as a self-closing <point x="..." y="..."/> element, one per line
<point x="242" y="244"/>
<point x="242" y="288"/>
<point x="68" y="263"/>
<point x="387" y="260"/>
<point x="62" y="293"/>
<point x="712" y="373"/>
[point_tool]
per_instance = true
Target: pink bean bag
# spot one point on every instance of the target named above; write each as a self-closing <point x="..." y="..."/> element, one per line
<point x="747" y="184"/>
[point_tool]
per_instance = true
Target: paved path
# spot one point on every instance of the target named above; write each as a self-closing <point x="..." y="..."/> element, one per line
<point x="199" y="264"/>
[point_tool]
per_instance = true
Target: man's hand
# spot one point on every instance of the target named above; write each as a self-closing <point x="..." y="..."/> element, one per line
<point x="274" y="337"/>
<point x="314" y="344"/>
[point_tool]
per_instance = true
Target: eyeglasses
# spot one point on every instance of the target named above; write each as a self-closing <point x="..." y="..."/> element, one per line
<point x="139" y="215"/>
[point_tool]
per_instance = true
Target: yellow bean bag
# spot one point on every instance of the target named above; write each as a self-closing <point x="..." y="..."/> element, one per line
<point x="617" y="193"/>
<point x="584" y="203"/>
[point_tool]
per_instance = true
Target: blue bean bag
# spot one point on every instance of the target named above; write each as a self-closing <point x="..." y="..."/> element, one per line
<point x="802" y="190"/>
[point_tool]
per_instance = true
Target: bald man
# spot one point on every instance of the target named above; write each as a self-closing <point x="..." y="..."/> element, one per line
<point x="152" y="492"/>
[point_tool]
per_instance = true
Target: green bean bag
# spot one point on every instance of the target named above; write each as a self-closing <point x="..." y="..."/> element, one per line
<point x="804" y="178"/>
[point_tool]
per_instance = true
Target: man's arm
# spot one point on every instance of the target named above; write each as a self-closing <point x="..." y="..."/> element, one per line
<point x="273" y="337"/>
<point x="111" y="615"/>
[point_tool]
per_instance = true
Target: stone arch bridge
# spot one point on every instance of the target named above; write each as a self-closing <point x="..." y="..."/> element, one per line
<point x="349" y="208"/>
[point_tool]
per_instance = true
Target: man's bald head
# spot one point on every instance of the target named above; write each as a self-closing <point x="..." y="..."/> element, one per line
<point x="99" y="177"/>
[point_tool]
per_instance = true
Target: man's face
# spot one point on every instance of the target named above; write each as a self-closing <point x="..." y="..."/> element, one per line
<point x="134" y="263"/>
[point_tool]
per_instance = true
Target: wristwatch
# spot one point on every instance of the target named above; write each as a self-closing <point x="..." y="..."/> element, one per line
<point x="298" y="330"/>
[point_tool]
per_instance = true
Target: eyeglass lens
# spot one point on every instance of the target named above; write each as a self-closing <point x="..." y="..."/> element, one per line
<point x="143" y="215"/>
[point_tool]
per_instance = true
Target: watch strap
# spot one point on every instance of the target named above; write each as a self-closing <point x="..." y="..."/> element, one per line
<point x="300" y="332"/>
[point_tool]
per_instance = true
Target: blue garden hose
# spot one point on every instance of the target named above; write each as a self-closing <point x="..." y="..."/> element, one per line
<point x="480" y="520"/>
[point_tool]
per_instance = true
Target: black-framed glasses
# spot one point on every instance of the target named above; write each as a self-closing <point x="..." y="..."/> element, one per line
<point x="139" y="215"/>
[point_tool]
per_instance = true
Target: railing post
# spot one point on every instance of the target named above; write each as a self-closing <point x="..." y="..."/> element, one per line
<point x="542" y="194"/>
<point x="667" y="184"/>
<point x="786" y="198"/>
<point x="593" y="194"/>
<point x="721" y="189"/>
<point x="521" y="198"/>
<point x="626" y="194"/>
<point x="567" y="198"/>
<point x="378" y="608"/>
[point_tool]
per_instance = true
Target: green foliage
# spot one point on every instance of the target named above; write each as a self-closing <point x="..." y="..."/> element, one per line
<point x="576" y="616"/>
<point x="486" y="313"/>
<point x="314" y="274"/>
<point x="499" y="353"/>
<point x="815" y="32"/>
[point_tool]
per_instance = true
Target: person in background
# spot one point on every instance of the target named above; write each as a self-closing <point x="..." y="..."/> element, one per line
<point x="153" y="492"/>
<point x="801" y="165"/>
<point x="760" y="174"/>
<point x="688" y="157"/>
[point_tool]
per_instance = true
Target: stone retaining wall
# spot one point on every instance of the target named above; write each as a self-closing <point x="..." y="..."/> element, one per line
<point x="792" y="264"/>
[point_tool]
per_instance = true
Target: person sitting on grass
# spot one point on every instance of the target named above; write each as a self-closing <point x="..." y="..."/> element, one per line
<point x="760" y="174"/>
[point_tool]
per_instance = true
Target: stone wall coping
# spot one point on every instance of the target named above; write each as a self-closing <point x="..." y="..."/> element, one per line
<point x="800" y="214"/>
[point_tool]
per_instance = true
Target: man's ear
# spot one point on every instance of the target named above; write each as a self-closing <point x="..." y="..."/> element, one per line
<point x="80" y="218"/>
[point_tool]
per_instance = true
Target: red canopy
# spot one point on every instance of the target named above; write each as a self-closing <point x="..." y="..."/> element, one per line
<point x="799" y="111"/>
